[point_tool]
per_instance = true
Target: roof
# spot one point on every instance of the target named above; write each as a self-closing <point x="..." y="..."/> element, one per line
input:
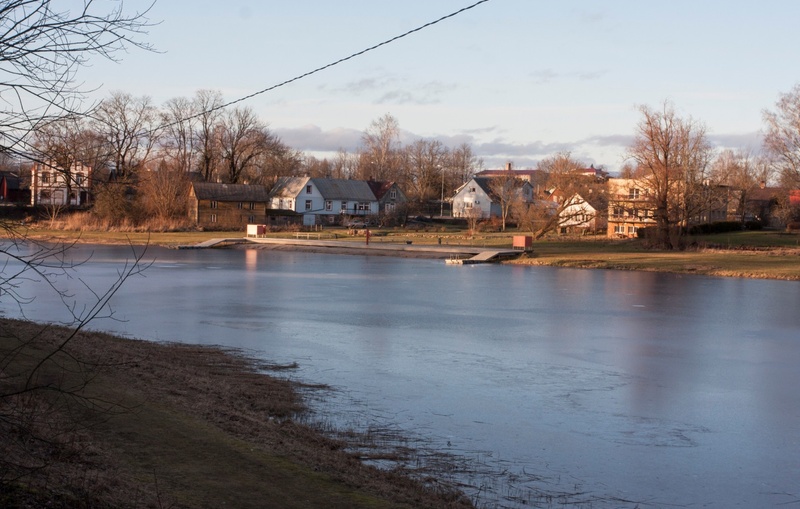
<point x="532" y="176"/>
<point x="330" y="189"/>
<point x="341" y="189"/>
<point x="289" y="187"/>
<point x="380" y="188"/>
<point x="230" y="192"/>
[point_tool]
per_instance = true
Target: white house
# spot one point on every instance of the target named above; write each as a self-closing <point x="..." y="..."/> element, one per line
<point x="323" y="200"/>
<point x="49" y="185"/>
<point x="476" y="198"/>
<point x="580" y="214"/>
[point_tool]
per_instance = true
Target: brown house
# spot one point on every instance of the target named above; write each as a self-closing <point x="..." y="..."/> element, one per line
<point x="227" y="206"/>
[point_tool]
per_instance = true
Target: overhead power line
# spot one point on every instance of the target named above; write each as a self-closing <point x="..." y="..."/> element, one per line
<point x="332" y="64"/>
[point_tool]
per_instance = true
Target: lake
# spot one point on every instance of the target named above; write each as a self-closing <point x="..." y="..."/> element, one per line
<point x="551" y="386"/>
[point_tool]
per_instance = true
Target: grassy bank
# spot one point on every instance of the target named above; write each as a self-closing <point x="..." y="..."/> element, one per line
<point x="761" y="254"/>
<point x="122" y="423"/>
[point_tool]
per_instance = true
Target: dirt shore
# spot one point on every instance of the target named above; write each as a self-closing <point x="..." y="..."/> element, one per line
<point x="126" y="423"/>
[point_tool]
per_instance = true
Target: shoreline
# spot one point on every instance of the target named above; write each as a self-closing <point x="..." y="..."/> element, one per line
<point x="751" y="262"/>
<point x="187" y="426"/>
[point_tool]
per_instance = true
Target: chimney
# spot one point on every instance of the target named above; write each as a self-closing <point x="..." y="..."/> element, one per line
<point x="763" y="184"/>
<point x="508" y="166"/>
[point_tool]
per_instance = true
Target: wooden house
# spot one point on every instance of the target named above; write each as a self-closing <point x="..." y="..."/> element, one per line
<point x="229" y="206"/>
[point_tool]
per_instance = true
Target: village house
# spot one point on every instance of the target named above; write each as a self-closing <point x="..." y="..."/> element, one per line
<point x="478" y="199"/>
<point x="49" y="185"/>
<point x="584" y="214"/>
<point x="389" y="195"/>
<point x="629" y="207"/>
<point x="325" y="200"/>
<point x="219" y="206"/>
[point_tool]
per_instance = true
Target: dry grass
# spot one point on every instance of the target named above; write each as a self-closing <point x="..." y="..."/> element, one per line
<point x="184" y="427"/>
<point x="768" y="255"/>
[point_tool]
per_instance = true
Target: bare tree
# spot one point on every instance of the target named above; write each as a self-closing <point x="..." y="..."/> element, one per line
<point x="63" y="148"/>
<point x="207" y="104"/>
<point x="380" y="147"/>
<point x="425" y="160"/>
<point x="782" y="137"/>
<point x="130" y="129"/>
<point x="177" y="142"/>
<point x="41" y="51"/>
<point x="741" y="173"/>
<point x="165" y="191"/>
<point x="506" y="188"/>
<point x="672" y="153"/>
<point x="39" y="412"/>
<point x="242" y="140"/>
<point x="462" y="166"/>
<point x="345" y="165"/>
<point x="562" y="201"/>
<point x="42" y="47"/>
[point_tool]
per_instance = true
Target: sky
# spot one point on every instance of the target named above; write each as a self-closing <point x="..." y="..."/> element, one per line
<point x="518" y="80"/>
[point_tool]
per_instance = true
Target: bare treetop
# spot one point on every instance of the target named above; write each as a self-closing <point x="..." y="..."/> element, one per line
<point x="42" y="49"/>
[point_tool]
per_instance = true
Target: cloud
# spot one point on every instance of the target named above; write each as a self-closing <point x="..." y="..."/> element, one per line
<point x="613" y="140"/>
<point x="752" y="140"/>
<point x="391" y="89"/>
<point x="311" y="138"/>
<point x="495" y="153"/>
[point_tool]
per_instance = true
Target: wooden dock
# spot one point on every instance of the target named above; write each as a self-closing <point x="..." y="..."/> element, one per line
<point x="487" y="256"/>
<point x="458" y="255"/>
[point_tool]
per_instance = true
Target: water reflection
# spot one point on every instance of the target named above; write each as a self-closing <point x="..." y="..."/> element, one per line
<point x="649" y="387"/>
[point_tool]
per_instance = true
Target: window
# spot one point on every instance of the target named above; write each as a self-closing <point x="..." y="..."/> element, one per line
<point x="471" y="189"/>
<point x="393" y="194"/>
<point x="632" y="230"/>
<point x="468" y="205"/>
<point x="328" y="204"/>
<point x="45" y="177"/>
<point x="252" y="205"/>
<point x="214" y="204"/>
<point x="308" y="189"/>
<point x="390" y="207"/>
<point x="308" y="204"/>
<point x="363" y="206"/>
<point x="344" y="206"/>
<point x="240" y="205"/>
<point x="633" y="194"/>
<point x="618" y="212"/>
<point x="251" y="219"/>
<point x="79" y="179"/>
<point x="619" y="229"/>
<point x="213" y="218"/>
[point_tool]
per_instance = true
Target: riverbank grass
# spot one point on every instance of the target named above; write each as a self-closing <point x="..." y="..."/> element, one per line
<point x="753" y="254"/>
<point x="122" y="423"/>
